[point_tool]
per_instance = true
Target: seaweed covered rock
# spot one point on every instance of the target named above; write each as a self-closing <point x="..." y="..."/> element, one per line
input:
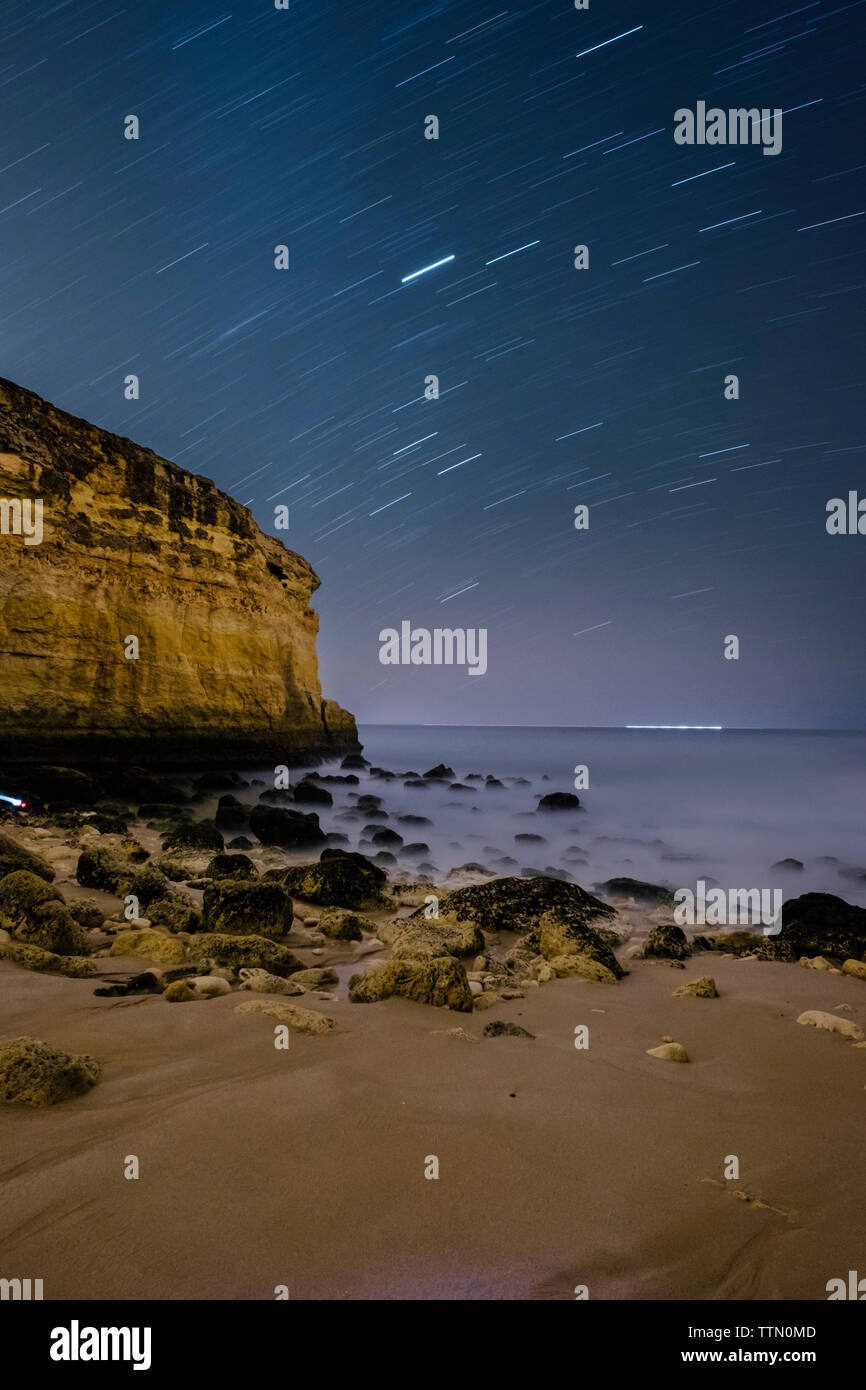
<point x="36" y="914"/>
<point x="703" y="988"/>
<point x="667" y="942"/>
<point x="518" y="904"/>
<point x="111" y="872"/>
<point x="32" y="1073"/>
<point x="14" y="856"/>
<point x="418" y="939"/>
<point x="193" y="835"/>
<point x="231" y="866"/>
<point x="218" y="950"/>
<point x="559" y="936"/>
<point x="47" y="962"/>
<point x="818" y="924"/>
<point x="279" y="825"/>
<point x="340" y="880"/>
<point x="174" y="915"/>
<point x="242" y="909"/>
<point x="341" y="925"/>
<point x="153" y="945"/>
<point x="440" y="981"/>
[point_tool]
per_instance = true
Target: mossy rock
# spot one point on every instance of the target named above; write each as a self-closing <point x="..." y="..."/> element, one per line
<point x="36" y="914"/>
<point x="818" y="924"/>
<point x="231" y="866"/>
<point x="193" y="835"/>
<point x="32" y="1073"/>
<point x="179" y="992"/>
<point x="341" y="880"/>
<point x="14" y="856"/>
<point x="239" y="909"/>
<point x="417" y="938"/>
<point x="153" y="945"/>
<point x="518" y="904"/>
<point x="48" y="962"/>
<point x="87" y="914"/>
<point x="218" y="949"/>
<point x="174" y="915"/>
<point x="110" y="872"/>
<point x="667" y="942"/>
<point x="561" y="935"/>
<point x="703" y="988"/>
<point x="340" y="924"/>
<point x="583" y="967"/>
<point x="439" y="980"/>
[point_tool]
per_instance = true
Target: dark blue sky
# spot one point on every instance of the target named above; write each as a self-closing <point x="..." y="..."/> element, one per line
<point x="306" y="127"/>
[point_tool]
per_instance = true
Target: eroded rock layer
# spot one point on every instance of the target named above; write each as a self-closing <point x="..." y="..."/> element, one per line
<point x="134" y="546"/>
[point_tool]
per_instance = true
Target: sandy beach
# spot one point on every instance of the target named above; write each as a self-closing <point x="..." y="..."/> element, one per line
<point x="558" y="1167"/>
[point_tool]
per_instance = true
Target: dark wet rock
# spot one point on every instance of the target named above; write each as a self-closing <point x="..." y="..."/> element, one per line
<point x="62" y="784"/>
<point x="240" y="842"/>
<point x="367" y="802"/>
<point x="276" y="796"/>
<point x="219" y="782"/>
<point x="789" y="864"/>
<point x="459" y="787"/>
<point x="667" y="942"/>
<point x="526" y="837"/>
<point x="350" y="780"/>
<point x="231" y="814"/>
<point x="494" y="782"/>
<point x="472" y="867"/>
<point x="473" y="777"/>
<point x="308" y="794"/>
<point x="138" y="784"/>
<point x="651" y="893"/>
<point x="354" y="760"/>
<point x="519" y="781"/>
<point x="439" y="980"/>
<point x="106" y="870"/>
<point x="414" y="820"/>
<point x="336" y="839"/>
<point x="500" y="1029"/>
<point x="341" y="925"/>
<point x="416" y="782"/>
<point x="507" y="862"/>
<point x="416" y="848"/>
<point x="275" y="825"/>
<point x="244" y="952"/>
<point x="174" y="915"/>
<point x="32" y="1073"/>
<point x="14" y="856"/>
<point x="340" y="880"/>
<point x="384" y="836"/>
<point x="382" y="774"/>
<point x="426" y="868"/>
<point x="197" y="835"/>
<point x="440" y="772"/>
<point x="36" y="914"/>
<point x="385" y="859"/>
<point x="231" y="866"/>
<point x="108" y="825"/>
<point x="240" y="909"/>
<point x="816" y="924"/>
<point x="855" y="875"/>
<point x="559" y="801"/>
<point x="162" y="810"/>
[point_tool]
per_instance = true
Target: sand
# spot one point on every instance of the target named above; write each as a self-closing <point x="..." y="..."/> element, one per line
<point x="558" y="1167"/>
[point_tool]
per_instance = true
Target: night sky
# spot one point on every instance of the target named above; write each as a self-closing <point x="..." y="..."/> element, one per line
<point x="305" y="127"/>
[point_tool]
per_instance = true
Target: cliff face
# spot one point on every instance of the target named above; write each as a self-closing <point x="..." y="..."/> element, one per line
<point x="134" y="546"/>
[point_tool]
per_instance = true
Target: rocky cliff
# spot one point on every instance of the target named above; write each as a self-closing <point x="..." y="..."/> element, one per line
<point x="135" y="547"/>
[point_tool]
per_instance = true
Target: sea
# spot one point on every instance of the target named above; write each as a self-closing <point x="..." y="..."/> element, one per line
<point x="664" y="806"/>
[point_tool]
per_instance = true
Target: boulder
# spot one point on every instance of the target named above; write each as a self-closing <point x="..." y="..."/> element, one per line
<point x="559" y="801"/>
<point x="667" y="942"/>
<point x="440" y="772"/>
<point x="417" y="938"/>
<point x="341" y="925"/>
<point x="241" y="909"/>
<point x="559" y="935"/>
<point x="174" y="915"/>
<point x="231" y="866"/>
<point x="340" y="880"/>
<point x="518" y="904"/>
<point x="279" y="825"/>
<point x="218" y="949"/>
<point x="153" y="945"/>
<point x="440" y="981"/>
<point x="703" y="988"/>
<point x="14" y="856"/>
<point x="652" y="894"/>
<point x="819" y="924"/>
<point x="32" y="1073"/>
<point x="47" y="962"/>
<point x="193" y="835"/>
<point x="36" y="914"/>
<point x="292" y="1015"/>
<point x="584" y="967"/>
